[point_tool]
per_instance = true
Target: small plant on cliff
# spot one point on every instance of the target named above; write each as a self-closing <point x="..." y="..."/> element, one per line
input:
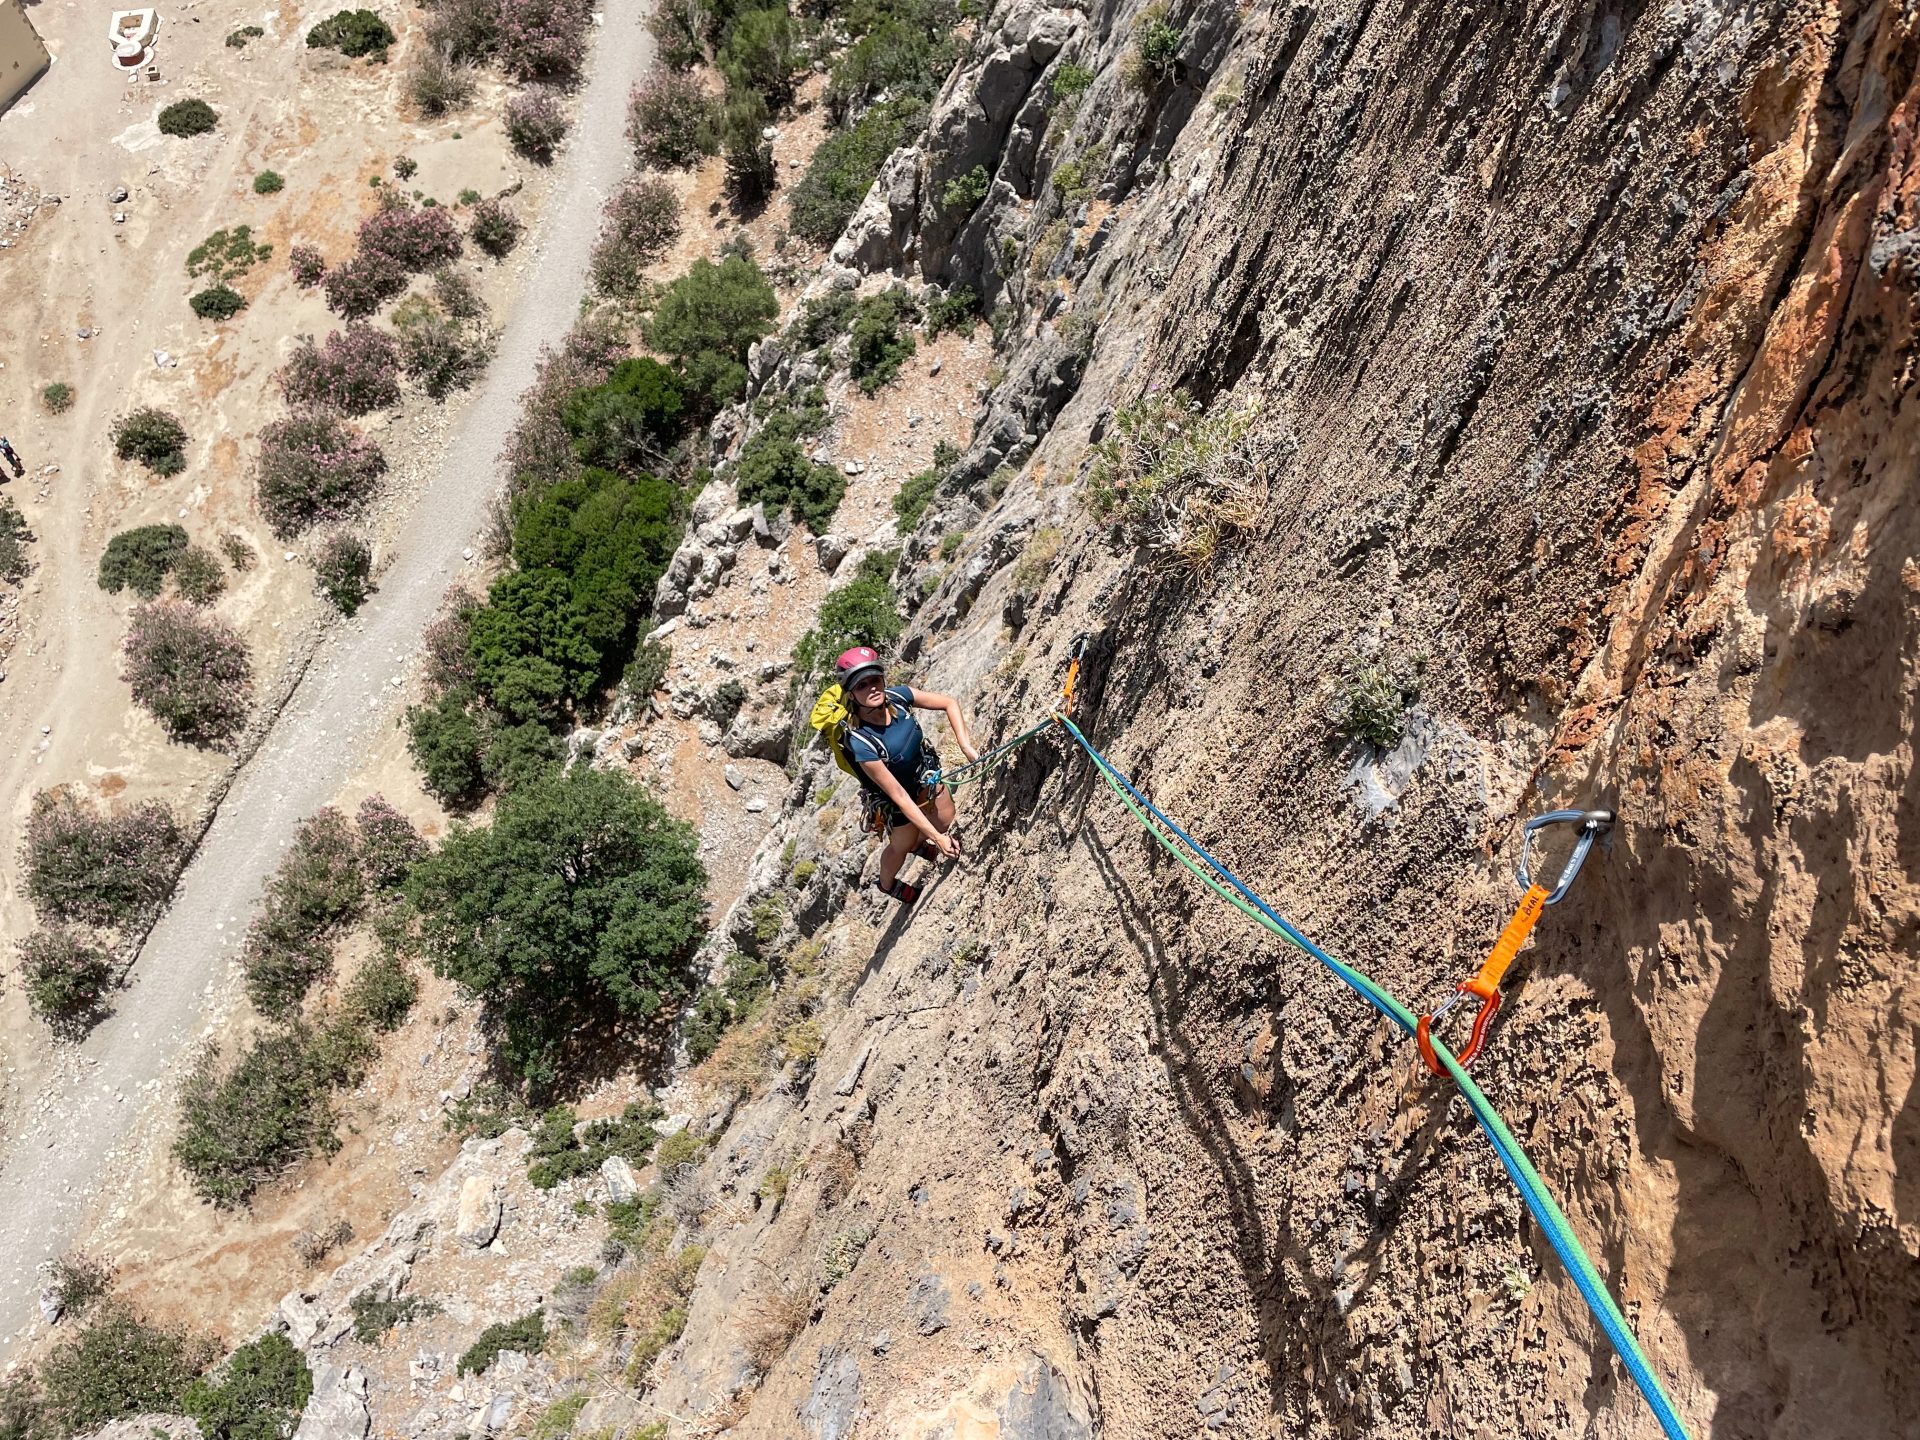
<point x="1070" y="82"/>
<point x="237" y="39"/>
<point x="187" y="118"/>
<point x="57" y="397"/>
<point x="865" y="612"/>
<point x="220" y="302"/>
<point x="776" y="472"/>
<point x="1371" y="705"/>
<point x="963" y="193"/>
<point x="1156" y="46"/>
<point x="88" y="867"/>
<point x="152" y="437"/>
<point x="527" y="1335"/>
<point x="878" y="347"/>
<point x="257" y="1394"/>
<point x="190" y="671"/>
<point x="374" y="1314"/>
<point x="269" y="182"/>
<point x="1179" y="480"/>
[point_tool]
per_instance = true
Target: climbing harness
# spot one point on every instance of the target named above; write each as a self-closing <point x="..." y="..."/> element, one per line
<point x="1486" y="984"/>
<point x="1229" y="887"/>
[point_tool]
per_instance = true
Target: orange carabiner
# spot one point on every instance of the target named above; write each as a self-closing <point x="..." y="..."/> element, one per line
<point x="1073" y="674"/>
<point x="1486" y="984"/>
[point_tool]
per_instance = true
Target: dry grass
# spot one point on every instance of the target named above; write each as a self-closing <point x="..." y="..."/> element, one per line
<point x="1180" y="479"/>
<point x="781" y="1312"/>
<point x="833" y="1167"/>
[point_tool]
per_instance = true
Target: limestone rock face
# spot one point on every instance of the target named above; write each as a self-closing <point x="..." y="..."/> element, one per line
<point x="478" y="1220"/>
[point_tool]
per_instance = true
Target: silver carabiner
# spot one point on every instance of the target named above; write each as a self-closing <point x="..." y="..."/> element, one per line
<point x="1591" y="823"/>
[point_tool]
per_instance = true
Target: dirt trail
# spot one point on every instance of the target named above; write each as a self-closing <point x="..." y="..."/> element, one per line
<point x="66" y="1156"/>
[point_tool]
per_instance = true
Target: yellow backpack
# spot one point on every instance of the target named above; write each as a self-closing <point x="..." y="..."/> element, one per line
<point x="832" y="719"/>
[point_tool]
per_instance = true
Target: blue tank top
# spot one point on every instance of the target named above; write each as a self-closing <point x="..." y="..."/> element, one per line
<point x="897" y="744"/>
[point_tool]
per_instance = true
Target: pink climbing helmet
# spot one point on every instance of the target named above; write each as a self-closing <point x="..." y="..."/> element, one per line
<point x="856" y="664"/>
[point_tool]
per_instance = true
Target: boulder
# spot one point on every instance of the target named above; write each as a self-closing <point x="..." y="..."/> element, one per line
<point x="479" y="1217"/>
<point x="337" y="1409"/>
<point x="302" y="1316"/>
<point x="623" y="1187"/>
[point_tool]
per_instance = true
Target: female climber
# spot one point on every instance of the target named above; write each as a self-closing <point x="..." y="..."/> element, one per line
<point x="898" y="767"/>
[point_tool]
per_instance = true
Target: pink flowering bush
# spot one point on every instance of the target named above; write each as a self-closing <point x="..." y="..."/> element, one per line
<point x="544" y="39"/>
<point x="538" y="450"/>
<point x="66" y="979"/>
<point x="449" y="665"/>
<point x="672" y="120"/>
<point x="359" y="286"/>
<point x="389" y="844"/>
<point x="414" y="237"/>
<point x="495" y="228"/>
<point x="190" y="671"/>
<point x="641" y="223"/>
<point x="86" y="866"/>
<point x="317" y="890"/>
<point x="314" y="469"/>
<point x="343" y="570"/>
<point x="309" y="266"/>
<point x="355" y="372"/>
<point x="536" y="125"/>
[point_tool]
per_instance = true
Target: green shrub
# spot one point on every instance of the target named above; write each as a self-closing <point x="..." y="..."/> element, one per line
<point x="532" y="658"/>
<point x="382" y="992"/>
<point x="80" y="1281"/>
<point x="226" y="255"/>
<point x="515" y="755"/>
<point x="375" y="1314"/>
<point x="951" y="542"/>
<point x="243" y="1125"/>
<point x="237" y="39"/>
<point x="258" y="1394"/>
<point x="119" y="1365"/>
<point x="405" y="166"/>
<point x="269" y="182"/>
<point x="741" y="992"/>
<point x="188" y="118"/>
<point x="219" y="303"/>
<point x="914" y="495"/>
<point x="440" y="352"/>
<point x="1073" y="182"/>
<point x="879" y="347"/>
<point x="611" y="538"/>
<point x="905" y="52"/>
<point x="964" y="193"/>
<point x="528" y="1335"/>
<point x="154" y="438"/>
<point x="825" y="319"/>
<point x="958" y="309"/>
<point x="57" y="397"/>
<point x="708" y="318"/>
<point x="141" y="559"/>
<point x="66" y="979"/>
<point x="647" y="668"/>
<point x="681" y="1147"/>
<point x="557" y="1420"/>
<point x="776" y="472"/>
<point x="353" y="33"/>
<point x="844" y="166"/>
<point x="628" y="422"/>
<point x="14" y="539"/>
<point x="580" y="903"/>
<point x="444" y="739"/>
<point x="865" y="612"/>
<point x="750" y="169"/>
<point x="558" y="1154"/>
<point x="1070" y="82"/>
<point x="761" y="52"/>
<point x="197" y="575"/>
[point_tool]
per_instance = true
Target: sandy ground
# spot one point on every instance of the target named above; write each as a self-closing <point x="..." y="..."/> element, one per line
<point x="114" y="1087"/>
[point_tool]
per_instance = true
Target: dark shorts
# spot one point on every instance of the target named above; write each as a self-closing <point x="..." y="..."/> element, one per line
<point x="879" y="814"/>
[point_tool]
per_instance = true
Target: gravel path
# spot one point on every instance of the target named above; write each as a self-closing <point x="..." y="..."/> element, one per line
<point x="58" y="1166"/>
